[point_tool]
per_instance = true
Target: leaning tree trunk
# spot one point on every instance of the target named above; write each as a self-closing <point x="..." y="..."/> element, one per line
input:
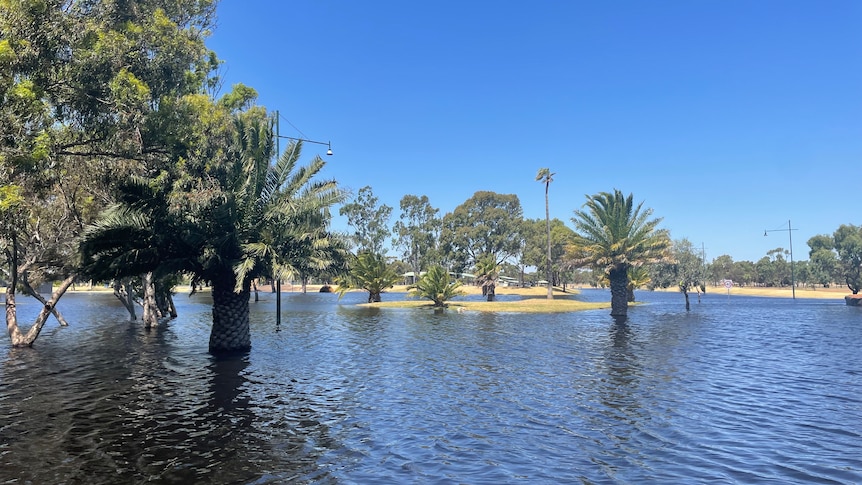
<point x="35" y="294"/>
<point x="230" y="332"/>
<point x="19" y="338"/>
<point x="619" y="294"/>
<point x="687" y="303"/>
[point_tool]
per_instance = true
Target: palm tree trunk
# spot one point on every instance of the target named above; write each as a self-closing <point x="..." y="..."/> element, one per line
<point x="619" y="294"/>
<point x="548" y="224"/>
<point x="230" y="332"/>
<point x="687" y="303"/>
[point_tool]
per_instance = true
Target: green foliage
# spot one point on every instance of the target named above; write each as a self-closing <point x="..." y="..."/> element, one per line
<point x="10" y="198"/>
<point x="437" y="286"/>
<point x="612" y="232"/>
<point x="88" y="91"/>
<point x="487" y="223"/>
<point x="368" y="220"/>
<point x="240" y="98"/>
<point x="534" y="252"/>
<point x="370" y="272"/>
<point x="417" y="232"/>
<point x="684" y="269"/>
<point x="848" y="244"/>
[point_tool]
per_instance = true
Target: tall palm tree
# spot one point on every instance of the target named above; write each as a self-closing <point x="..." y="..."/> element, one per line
<point x="226" y="227"/>
<point x="612" y="234"/>
<point x="546" y="177"/>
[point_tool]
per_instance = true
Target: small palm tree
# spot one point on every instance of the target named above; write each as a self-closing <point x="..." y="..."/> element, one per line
<point x="638" y="278"/>
<point x="545" y="176"/>
<point x="487" y="273"/>
<point x="371" y="273"/>
<point x="612" y="234"/>
<point x="436" y="286"/>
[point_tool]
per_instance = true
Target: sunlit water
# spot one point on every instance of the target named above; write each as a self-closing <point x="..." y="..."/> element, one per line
<point x="739" y="390"/>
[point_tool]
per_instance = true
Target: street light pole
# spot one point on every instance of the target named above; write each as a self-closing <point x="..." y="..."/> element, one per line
<point x="279" y="136"/>
<point x="790" y="235"/>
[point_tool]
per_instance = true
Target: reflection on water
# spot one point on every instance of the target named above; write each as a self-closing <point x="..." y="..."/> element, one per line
<point x="740" y="390"/>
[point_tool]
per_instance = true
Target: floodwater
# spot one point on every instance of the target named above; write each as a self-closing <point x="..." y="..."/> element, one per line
<point x="739" y="390"/>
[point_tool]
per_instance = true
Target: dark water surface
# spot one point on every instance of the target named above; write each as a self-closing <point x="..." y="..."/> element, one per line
<point x="739" y="390"/>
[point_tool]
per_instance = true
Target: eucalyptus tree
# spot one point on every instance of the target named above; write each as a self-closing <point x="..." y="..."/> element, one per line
<point x="487" y="223"/>
<point x="613" y="234"/>
<point x="848" y="245"/>
<point x="417" y="231"/>
<point x="545" y="176"/>
<point x="721" y="268"/>
<point x="534" y="253"/>
<point x="369" y="221"/>
<point x="88" y="95"/>
<point x="684" y="269"/>
<point x="823" y="260"/>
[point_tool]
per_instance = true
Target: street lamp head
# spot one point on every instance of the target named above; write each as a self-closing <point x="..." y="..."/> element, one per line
<point x="764" y="233"/>
<point x="329" y="151"/>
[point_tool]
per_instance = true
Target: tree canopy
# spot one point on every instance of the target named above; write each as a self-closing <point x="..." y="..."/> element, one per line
<point x="487" y="223"/>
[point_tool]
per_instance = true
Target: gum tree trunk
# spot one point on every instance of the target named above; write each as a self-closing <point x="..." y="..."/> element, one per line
<point x="38" y="296"/>
<point x="19" y="338"/>
<point x="125" y="293"/>
<point x="230" y="331"/>
<point x="151" y="311"/>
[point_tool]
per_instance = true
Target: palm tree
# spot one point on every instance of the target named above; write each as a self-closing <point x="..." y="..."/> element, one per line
<point x="487" y="273"/>
<point x="369" y="272"/>
<point x="612" y="234"/>
<point x="638" y="278"/>
<point x="546" y="177"/>
<point x="226" y="227"/>
<point x="436" y="286"/>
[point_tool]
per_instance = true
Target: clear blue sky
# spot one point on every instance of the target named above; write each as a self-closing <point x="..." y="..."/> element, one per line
<point x="726" y="117"/>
